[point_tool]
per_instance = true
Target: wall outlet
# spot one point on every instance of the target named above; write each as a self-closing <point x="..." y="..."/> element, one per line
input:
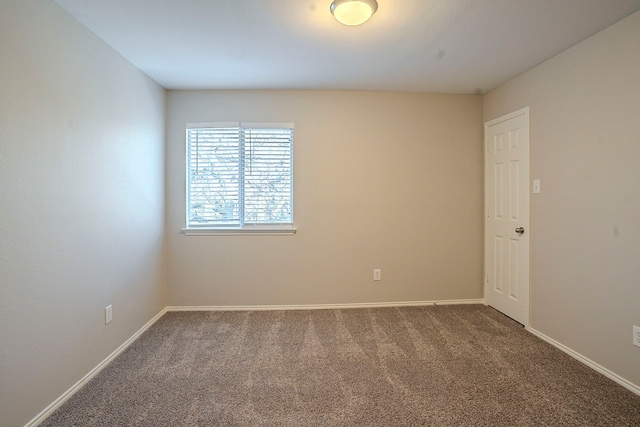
<point x="108" y="314"/>
<point x="636" y="336"/>
<point x="377" y="274"/>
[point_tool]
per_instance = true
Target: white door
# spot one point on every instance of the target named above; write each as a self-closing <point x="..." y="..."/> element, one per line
<point x="507" y="215"/>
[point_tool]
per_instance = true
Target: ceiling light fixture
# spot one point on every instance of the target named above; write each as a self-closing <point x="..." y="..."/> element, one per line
<point x="353" y="12"/>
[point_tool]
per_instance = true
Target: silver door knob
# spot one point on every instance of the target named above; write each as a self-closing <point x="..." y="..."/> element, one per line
<point x="520" y="230"/>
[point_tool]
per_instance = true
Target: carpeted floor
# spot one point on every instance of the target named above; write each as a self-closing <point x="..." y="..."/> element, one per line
<point x="412" y="366"/>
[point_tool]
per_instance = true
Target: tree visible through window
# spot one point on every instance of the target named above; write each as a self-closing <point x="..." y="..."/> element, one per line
<point x="239" y="175"/>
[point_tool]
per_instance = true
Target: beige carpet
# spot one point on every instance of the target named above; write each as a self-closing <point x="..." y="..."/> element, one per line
<point x="411" y="366"/>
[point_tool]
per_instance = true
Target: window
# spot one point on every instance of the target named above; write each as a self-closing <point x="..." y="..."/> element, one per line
<point x="239" y="178"/>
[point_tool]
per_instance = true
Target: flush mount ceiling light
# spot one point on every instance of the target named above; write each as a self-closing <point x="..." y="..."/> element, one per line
<point x="353" y="12"/>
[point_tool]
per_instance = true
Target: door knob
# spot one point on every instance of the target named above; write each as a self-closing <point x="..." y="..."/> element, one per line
<point x="520" y="230"/>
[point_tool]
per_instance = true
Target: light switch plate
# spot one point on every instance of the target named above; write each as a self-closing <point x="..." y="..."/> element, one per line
<point x="536" y="186"/>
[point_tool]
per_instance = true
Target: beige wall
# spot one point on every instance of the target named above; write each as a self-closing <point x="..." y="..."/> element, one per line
<point x="585" y="229"/>
<point x="81" y="204"/>
<point x="382" y="180"/>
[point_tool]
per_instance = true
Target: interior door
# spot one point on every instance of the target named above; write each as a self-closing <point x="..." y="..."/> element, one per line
<point x="507" y="215"/>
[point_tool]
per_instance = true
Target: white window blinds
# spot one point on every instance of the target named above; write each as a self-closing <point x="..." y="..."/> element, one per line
<point x="239" y="175"/>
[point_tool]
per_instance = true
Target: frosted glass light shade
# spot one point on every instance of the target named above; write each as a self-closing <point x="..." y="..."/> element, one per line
<point x="353" y="12"/>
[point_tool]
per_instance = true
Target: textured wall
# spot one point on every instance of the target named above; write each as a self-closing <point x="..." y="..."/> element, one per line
<point x="81" y="204"/>
<point x="382" y="180"/>
<point x="585" y="149"/>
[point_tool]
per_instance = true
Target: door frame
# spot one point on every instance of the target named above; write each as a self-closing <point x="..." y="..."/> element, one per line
<point x="526" y="112"/>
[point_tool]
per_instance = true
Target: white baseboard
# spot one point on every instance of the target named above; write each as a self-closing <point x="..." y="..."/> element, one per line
<point x="77" y="386"/>
<point x="322" y="306"/>
<point x="590" y="363"/>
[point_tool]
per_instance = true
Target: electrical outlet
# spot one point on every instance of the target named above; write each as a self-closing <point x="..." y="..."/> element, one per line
<point x="377" y="274"/>
<point x="108" y="314"/>
<point x="636" y="336"/>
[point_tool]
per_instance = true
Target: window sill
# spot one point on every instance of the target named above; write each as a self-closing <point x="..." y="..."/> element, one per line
<point x="253" y="231"/>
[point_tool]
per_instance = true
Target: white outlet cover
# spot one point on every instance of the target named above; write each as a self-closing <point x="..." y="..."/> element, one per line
<point x="636" y="336"/>
<point x="108" y="314"/>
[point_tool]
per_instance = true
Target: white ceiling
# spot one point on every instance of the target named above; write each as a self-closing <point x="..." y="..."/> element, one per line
<point x="452" y="46"/>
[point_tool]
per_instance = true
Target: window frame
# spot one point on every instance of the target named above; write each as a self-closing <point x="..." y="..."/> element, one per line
<point x="241" y="228"/>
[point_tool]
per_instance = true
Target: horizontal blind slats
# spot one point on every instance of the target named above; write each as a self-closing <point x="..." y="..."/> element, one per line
<point x="226" y="162"/>
<point x="213" y="164"/>
<point x="267" y="176"/>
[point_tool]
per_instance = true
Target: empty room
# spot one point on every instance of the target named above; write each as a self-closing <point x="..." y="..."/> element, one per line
<point x="319" y="212"/>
